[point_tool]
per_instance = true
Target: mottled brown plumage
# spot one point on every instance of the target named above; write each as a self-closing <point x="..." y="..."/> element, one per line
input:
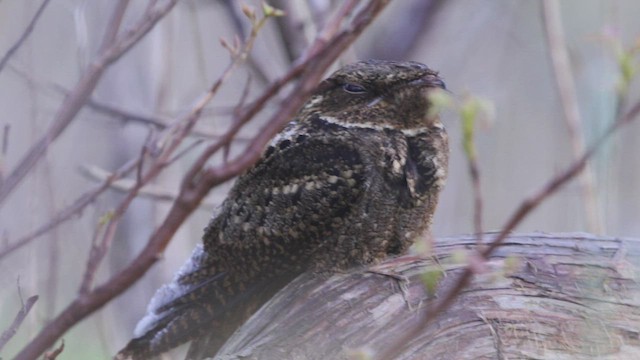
<point x="355" y="177"/>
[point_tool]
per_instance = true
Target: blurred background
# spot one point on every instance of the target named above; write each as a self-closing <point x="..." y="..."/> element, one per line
<point x="492" y="49"/>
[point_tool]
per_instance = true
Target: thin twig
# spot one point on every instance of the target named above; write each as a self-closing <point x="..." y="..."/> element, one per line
<point x="4" y="148"/>
<point x="187" y="149"/>
<point x="75" y="208"/>
<point x="82" y="91"/>
<point x="53" y="252"/>
<point x="5" y="139"/>
<point x="17" y="321"/>
<point x="291" y="30"/>
<point x="469" y="114"/>
<point x="332" y="26"/>
<point x="417" y="21"/>
<point x="559" y="180"/>
<point x="176" y="134"/>
<point x="89" y="274"/>
<point x="110" y="35"/>
<point x="149" y="191"/>
<point x="525" y="208"/>
<point x="159" y="121"/>
<point x="32" y="24"/>
<point x="193" y="191"/>
<point x="54" y="354"/>
<point x="144" y="151"/>
<point x="474" y="172"/>
<point x="279" y="119"/>
<point x="239" y="24"/>
<point x="567" y="91"/>
<point x="99" y="249"/>
<point x="318" y="12"/>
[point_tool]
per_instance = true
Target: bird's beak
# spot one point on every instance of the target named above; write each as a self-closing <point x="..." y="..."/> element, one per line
<point x="429" y="80"/>
<point x="437" y="82"/>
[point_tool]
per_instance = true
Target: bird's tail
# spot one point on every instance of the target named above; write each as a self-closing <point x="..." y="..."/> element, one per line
<point x="206" y="313"/>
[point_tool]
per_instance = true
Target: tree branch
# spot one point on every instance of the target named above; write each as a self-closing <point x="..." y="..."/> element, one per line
<point x="569" y="100"/>
<point x="75" y="208"/>
<point x="158" y="121"/>
<point x="417" y="21"/>
<point x="193" y="190"/>
<point x="82" y="91"/>
<point x="150" y="191"/>
<point x="291" y="30"/>
<point x="525" y="208"/>
<point x="32" y="24"/>
<point x="17" y="321"/>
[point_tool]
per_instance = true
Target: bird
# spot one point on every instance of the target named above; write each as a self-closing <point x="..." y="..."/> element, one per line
<point x="353" y="178"/>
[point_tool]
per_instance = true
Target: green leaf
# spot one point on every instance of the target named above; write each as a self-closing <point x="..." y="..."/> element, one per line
<point x="270" y="11"/>
<point x="106" y="218"/>
<point x="431" y="279"/>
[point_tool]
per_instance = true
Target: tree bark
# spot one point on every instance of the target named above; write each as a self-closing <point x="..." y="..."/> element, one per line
<point x="540" y="296"/>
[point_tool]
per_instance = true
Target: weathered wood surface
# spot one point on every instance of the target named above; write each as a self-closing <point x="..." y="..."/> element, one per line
<point x="541" y="296"/>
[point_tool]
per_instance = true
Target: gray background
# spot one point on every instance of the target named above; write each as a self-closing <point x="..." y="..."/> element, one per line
<point x="490" y="48"/>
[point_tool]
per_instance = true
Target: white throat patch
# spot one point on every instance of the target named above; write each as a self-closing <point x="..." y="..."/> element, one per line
<point x="369" y="125"/>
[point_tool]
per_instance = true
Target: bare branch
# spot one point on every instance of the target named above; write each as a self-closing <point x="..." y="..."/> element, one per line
<point x="4" y="147"/>
<point x="318" y="59"/>
<point x="149" y="191"/>
<point x="398" y="42"/>
<point x="474" y="172"/>
<point x="297" y="96"/>
<point x="17" y="321"/>
<point x="32" y="24"/>
<point x="291" y="30"/>
<point x="79" y="95"/>
<point x="238" y="22"/>
<point x="111" y="33"/>
<point x="319" y="10"/>
<point x="5" y="139"/>
<point x="525" y="208"/>
<point x="235" y="16"/>
<point x="567" y="91"/>
<point x="469" y="113"/>
<point x="75" y="208"/>
<point x="158" y="121"/>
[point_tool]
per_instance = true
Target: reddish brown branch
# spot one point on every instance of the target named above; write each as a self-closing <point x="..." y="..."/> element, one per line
<point x="327" y="45"/>
<point x="195" y="188"/>
<point x="525" y="208"/>
<point x="82" y="91"/>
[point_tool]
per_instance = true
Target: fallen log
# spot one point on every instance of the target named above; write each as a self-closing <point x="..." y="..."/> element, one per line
<point x="540" y="296"/>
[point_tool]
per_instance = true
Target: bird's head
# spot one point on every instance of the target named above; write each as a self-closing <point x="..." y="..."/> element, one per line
<point x="377" y="94"/>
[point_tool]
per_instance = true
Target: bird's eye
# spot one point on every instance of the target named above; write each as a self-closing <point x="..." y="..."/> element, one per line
<point x="354" y="89"/>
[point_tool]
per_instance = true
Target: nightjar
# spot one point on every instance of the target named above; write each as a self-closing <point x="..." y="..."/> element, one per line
<point x="353" y="178"/>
